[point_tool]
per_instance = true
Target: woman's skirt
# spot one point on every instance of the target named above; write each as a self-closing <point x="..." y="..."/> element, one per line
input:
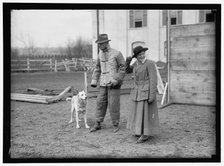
<point x="143" y="118"/>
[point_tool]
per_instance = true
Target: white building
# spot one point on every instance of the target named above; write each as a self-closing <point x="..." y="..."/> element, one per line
<point x="129" y="28"/>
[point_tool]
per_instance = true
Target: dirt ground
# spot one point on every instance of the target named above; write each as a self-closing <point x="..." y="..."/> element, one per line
<point x="42" y="130"/>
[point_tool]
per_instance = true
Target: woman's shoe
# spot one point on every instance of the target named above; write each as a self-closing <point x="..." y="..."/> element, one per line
<point x="142" y="139"/>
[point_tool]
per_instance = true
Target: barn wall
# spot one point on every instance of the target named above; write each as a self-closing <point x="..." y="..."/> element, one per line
<point x="192" y="64"/>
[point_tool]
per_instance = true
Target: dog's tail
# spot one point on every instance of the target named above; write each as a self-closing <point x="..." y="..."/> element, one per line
<point x="68" y="99"/>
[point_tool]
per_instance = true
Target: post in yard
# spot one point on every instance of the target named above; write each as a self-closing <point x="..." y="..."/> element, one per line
<point x="85" y="82"/>
<point x="28" y="64"/>
<point x="55" y="65"/>
<point x="74" y="60"/>
<point x="168" y="54"/>
<point x="51" y="65"/>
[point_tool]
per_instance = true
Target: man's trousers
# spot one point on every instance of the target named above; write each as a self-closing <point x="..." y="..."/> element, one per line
<point x="108" y="98"/>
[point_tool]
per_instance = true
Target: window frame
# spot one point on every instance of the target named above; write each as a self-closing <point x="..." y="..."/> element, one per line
<point x="178" y="16"/>
<point x="204" y="12"/>
<point x="133" y="20"/>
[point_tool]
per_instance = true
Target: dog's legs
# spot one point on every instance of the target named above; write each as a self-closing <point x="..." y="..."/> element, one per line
<point x="72" y="114"/>
<point x="85" y="119"/>
<point x="77" y="119"/>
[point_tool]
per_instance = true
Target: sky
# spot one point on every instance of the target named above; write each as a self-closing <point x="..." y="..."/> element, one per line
<point x="49" y="28"/>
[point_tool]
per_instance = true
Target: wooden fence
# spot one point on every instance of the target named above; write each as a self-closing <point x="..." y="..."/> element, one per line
<point x="35" y="65"/>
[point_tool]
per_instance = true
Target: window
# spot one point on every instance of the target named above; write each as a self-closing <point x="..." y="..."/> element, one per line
<point x="206" y="16"/>
<point x="138" y="18"/>
<point x="175" y="17"/>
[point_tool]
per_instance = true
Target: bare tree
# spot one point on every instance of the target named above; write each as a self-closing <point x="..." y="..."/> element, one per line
<point x="87" y="51"/>
<point x="79" y="46"/>
<point x="29" y="44"/>
<point x="78" y="49"/>
<point x="70" y="48"/>
<point x="14" y="53"/>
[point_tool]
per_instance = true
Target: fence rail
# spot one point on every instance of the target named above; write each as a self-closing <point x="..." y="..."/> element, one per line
<point x="51" y="65"/>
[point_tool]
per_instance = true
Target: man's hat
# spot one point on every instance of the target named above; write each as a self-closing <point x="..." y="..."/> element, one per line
<point x="102" y="38"/>
<point x="138" y="49"/>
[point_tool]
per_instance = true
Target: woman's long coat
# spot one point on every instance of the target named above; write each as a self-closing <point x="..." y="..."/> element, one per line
<point x="143" y="116"/>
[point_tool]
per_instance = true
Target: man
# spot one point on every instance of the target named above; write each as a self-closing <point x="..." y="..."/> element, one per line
<point x="110" y="71"/>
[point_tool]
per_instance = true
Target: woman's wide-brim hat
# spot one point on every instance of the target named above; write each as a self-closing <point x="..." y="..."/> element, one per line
<point x="102" y="38"/>
<point x="138" y="49"/>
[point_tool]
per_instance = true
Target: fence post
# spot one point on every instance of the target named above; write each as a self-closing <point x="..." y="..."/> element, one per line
<point x="55" y="65"/>
<point x="75" y="62"/>
<point x="28" y="64"/>
<point x="51" y="67"/>
<point x="67" y="64"/>
<point x="85" y="81"/>
<point x="66" y="67"/>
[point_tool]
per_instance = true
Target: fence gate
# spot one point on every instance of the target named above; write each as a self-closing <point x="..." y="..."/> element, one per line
<point x="192" y="64"/>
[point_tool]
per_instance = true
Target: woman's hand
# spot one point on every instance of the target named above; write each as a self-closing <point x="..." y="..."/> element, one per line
<point x="150" y="100"/>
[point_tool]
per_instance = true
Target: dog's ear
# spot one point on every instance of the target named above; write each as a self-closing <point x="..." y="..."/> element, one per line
<point x="76" y="92"/>
<point x="72" y="90"/>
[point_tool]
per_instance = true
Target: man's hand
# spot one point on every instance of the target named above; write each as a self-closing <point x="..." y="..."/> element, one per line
<point x="113" y="82"/>
<point x="93" y="83"/>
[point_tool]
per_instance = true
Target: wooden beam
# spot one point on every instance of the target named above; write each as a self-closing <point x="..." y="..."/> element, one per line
<point x="164" y="94"/>
<point x="192" y="65"/>
<point x="29" y="95"/>
<point x="193" y="98"/>
<point x="193" y="41"/>
<point x="39" y="98"/>
<point x="193" y="29"/>
<point x="29" y="98"/>
<point x="165" y="105"/>
<point x="60" y="96"/>
<point x="199" y="53"/>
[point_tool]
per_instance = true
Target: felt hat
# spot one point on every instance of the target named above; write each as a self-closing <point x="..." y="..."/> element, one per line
<point x="102" y="38"/>
<point x="137" y="50"/>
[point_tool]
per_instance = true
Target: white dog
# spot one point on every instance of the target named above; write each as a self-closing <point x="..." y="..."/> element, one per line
<point x="78" y="103"/>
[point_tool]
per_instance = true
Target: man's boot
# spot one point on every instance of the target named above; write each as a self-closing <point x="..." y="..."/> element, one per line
<point x="115" y="128"/>
<point x="95" y="127"/>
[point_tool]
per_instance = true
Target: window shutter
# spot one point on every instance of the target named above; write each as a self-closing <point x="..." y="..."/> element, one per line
<point x="144" y="18"/>
<point x="173" y="13"/>
<point x="131" y="18"/>
<point x="164" y="17"/>
<point x="201" y="16"/>
<point x="179" y="17"/>
<point x="138" y="15"/>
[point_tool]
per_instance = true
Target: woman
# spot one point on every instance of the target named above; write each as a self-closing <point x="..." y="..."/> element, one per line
<point x="143" y="118"/>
